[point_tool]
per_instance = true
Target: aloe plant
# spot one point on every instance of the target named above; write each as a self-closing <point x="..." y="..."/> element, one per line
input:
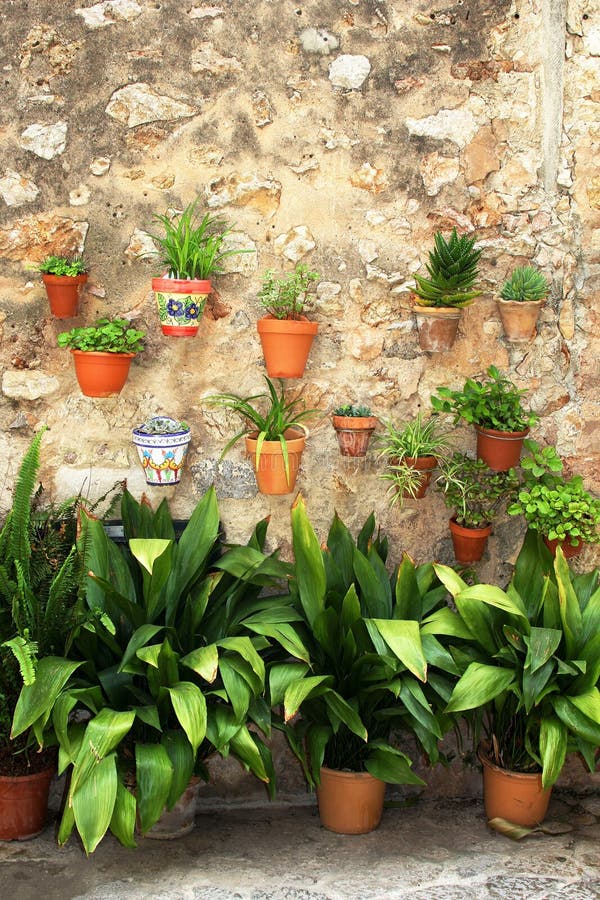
<point x="525" y="285"/>
<point x="453" y="269"/>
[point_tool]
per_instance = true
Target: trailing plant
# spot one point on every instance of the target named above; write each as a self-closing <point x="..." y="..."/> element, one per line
<point x="474" y="491"/>
<point x="494" y="403"/>
<point x="351" y="411"/>
<point x="453" y="270"/>
<point x="162" y="425"/>
<point x="526" y="284"/>
<point x="105" y="336"/>
<point x="61" y="265"/>
<point x="400" y="445"/>
<point x="286" y="297"/>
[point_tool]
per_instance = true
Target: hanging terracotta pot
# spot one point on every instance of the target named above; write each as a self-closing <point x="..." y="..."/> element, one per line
<point x="350" y="802"/>
<point x="63" y="293"/>
<point x="23" y="804"/>
<point x="180" y="302"/>
<point x="101" y="374"/>
<point x="162" y="455"/>
<point x="354" y="433"/>
<point x="569" y="550"/>
<point x="469" y="543"/>
<point x="437" y="327"/>
<point x="423" y="464"/>
<point x="286" y="344"/>
<point x="500" y="450"/>
<point x="270" y="472"/>
<point x="519" y="319"/>
<point x="517" y="797"/>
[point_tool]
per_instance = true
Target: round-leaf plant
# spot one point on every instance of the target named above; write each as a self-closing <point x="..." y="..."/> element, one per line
<point x="286" y="297"/>
<point x="61" y="265"/>
<point x="494" y="404"/>
<point x="105" y="336"/>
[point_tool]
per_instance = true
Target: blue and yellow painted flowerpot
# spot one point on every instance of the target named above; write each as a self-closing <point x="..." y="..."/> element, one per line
<point x="162" y="455"/>
<point x="180" y="304"/>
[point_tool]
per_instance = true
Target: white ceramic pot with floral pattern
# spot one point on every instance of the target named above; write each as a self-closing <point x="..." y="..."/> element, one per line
<point x="162" y="445"/>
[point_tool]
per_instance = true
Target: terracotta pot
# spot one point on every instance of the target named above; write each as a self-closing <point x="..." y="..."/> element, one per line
<point x="286" y="344"/>
<point x="469" y="543"/>
<point x="519" y="319"/>
<point x="569" y="550"/>
<point x="23" y="805"/>
<point x="162" y="455"/>
<point x="180" y="302"/>
<point x="180" y="820"/>
<point x="425" y="465"/>
<point x="516" y="796"/>
<point x="500" y="450"/>
<point x="437" y="327"/>
<point x="350" y="802"/>
<point x="101" y="374"/>
<point x="270" y="472"/>
<point x="63" y="293"/>
<point x="354" y="433"/>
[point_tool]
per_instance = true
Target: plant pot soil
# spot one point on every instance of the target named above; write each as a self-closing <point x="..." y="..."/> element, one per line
<point x="350" y="802"/>
<point x="517" y="797"/>
<point x="162" y="456"/>
<point x="270" y="473"/>
<point x="500" y="450"/>
<point x="180" y="303"/>
<point x="63" y="293"/>
<point x="423" y="464"/>
<point x="469" y="543"/>
<point x="286" y="344"/>
<point x="354" y="433"/>
<point x="101" y="374"/>
<point x="569" y="550"/>
<point x="180" y="820"/>
<point x="519" y="320"/>
<point x="437" y="327"/>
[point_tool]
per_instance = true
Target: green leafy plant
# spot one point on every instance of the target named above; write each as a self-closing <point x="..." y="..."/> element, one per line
<point x="474" y="491"/>
<point x="351" y="411"/>
<point x="401" y="445"/>
<point x="525" y="285"/>
<point x="453" y="270"/>
<point x="286" y="297"/>
<point x="559" y="508"/>
<point x="192" y="246"/>
<point x="61" y="265"/>
<point x="530" y="657"/>
<point x="106" y="336"/>
<point x="494" y="403"/>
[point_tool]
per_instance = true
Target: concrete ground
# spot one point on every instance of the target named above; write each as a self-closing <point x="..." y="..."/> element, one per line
<point x="426" y="850"/>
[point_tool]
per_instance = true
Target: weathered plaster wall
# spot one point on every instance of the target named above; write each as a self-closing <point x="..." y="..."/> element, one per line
<point x="341" y="133"/>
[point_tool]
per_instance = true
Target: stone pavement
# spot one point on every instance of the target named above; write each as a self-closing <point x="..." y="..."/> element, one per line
<point x="427" y="850"/>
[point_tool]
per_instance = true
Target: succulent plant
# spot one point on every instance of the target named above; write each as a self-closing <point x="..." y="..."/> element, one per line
<point x="162" y="425"/>
<point x="351" y="411"/>
<point x="452" y="271"/>
<point x="525" y="284"/>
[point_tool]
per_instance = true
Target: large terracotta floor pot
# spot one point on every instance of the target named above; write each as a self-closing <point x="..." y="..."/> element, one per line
<point x="23" y="804"/>
<point x="350" y="802"/>
<point x="516" y="796"/>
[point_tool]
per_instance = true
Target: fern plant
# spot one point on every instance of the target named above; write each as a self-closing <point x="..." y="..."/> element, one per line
<point x="453" y="269"/>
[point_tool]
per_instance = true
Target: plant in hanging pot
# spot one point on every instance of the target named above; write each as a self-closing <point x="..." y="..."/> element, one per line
<point x="494" y="407"/>
<point x="275" y="438"/>
<point x="63" y="279"/>
<point x="559" y="508"/>
<point x="521" y="298"/>
<point x="191" y="251"/>
<point x="440" y="298"/>
<point x="411" y="452"/>
<point x="162" y="444"/>
<point x="353" y="426"/>
<point x="531" y="664"/>
<point x="285" y="333"/>
<point x="475" y="493"/>
<point x="102" y="354"/>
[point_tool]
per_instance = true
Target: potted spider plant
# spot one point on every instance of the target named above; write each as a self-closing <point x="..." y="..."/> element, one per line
<point x="411" y="452"/>
<point x="521" y="298"/>
<point x="102" y="354"/>
<point x="162" y="445"/>
<point x="353" y="426"/>
<point x="286" y="334"/>
<point x="63" y="279"/>
<point x="440" y="298"/>
<point x="274" y="433"/>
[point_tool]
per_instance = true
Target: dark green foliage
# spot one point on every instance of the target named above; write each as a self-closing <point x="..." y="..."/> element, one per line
<point x="494" y="403"/>
<point x="474" y="491"/>
<point x="525" y="285"/>
<point x="105" y="336"/>
<point x="453" y="269"/>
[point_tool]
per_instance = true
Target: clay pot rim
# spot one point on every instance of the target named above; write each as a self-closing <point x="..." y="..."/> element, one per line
<point x="521" y="303"/>
<point x="349" y="776"/>
<point x="269" y="324"/>
<point x="483" y="531"/>
<point x="502" y="435"/>
<point x="427" y="462"/>
<point x="355" y="423"/>
<point x="443" y="312"/>
<point x="35" y="776"/>
<point x="50" y="278"/>
<point x="102" y="353"/>
<point x="522" y="776"/>
<point x="294" y="444"/>
<point x="182" y="285"/>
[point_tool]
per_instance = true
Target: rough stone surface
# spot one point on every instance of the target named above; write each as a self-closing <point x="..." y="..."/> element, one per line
<point x="348" y="71"/>
<point x="16" y="189"/>
<point x="46" y="141"/>
<point x="28" y="385"/>
<point x="136" y="104"/>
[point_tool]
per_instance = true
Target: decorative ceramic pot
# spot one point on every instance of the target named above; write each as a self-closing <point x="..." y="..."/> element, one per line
<point x="354" y="433"/>
<point x="286" y="344"/>
<point x="180" y="302"/>
<point x="162" y="455"/>
<point x="270" y="471"/>
<point x="519" y="319"/>
<point x="517" y="797"/>
<point x="23" y="804"/>
<point x="500" y="450"/>
<point x="101" y="374"/>
<point x="63" y="293"/>
<point x="350" y="802"/>
<point x="437" y="327"/>
<point x="469" y="543"/>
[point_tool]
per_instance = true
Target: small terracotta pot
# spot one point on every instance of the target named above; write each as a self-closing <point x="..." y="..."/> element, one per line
<point x="500" y="450"/>
<point x="437" y="327"/>
<point x="425" y="465"/>
<point x="469" y="543"/>
<point x="519" y="319"/>
<point x="23" y="805"/>
<point x="354" y="433"/>
<point x="350" y="802"/>
<point x="270" y="472"/>
<point x="569" y="550"/>
<point x="180" y="302"/>
<point x="101" y="374"/>
<point x="286" y="344"/>
<point x="63" y="293"/>
<point x="515" y="796"/>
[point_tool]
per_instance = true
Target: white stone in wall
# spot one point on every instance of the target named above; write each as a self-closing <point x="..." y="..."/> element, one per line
<point x="28" y="384"/>
<point x="205" y="12"/>
<point x="17" y="189"/>
<point x="456" y="125"/>
<point x="80" y="196"/>
<point x="329" y="298"/>
<point x="368" y="250"/>
<point x="141" y="245"/>
<point x="100" y="165"/>
<point x="349" y="72"/>
<point x="206" y="59"/>
<point x="295" y="243"/>
<point x="109" y="12"/>
<point x="365" y="343"/>
<point x="591" y="41"/>
<point x="318" y="40"/>
<point x="136" y="104"/>
<point x="46" y="141"/>
<point x="437" y="171"/>
<point x="245" y="263"/>
<point x="334" y="140"/>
